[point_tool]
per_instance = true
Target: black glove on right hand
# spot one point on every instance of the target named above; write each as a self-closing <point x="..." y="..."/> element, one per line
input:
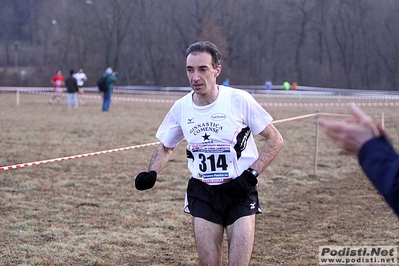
<point x="242" y="185"/>
<point x="145" y="180"/>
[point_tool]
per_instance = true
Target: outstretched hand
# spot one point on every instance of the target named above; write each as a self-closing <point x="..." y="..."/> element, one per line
<point x="351" y="134"/>
<point x="145" y="180"/>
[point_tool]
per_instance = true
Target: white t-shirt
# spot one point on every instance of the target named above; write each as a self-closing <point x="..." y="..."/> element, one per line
<point x="80" y="78"/>
<point x="219" y="135"/>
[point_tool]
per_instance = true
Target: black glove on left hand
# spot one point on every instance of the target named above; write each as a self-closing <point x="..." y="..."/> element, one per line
<point x="242" y="185"/>
<point x="145" y="180"/>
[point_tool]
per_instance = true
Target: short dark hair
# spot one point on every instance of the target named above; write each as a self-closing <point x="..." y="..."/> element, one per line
<point x="71" y="71"/>
<point x="206" y="47"/>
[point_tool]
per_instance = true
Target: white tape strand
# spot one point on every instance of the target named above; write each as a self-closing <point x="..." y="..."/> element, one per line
<point x="22" y="165"/>
<point x="46" y="91"/>
<point x="305" y="116"/>
<point x="386" y="104"/>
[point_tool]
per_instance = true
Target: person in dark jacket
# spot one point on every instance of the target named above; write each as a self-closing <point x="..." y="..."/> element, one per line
<point x="362" y="137"/>
<point x="110" y="79"/>
<point x="72" y="89"/>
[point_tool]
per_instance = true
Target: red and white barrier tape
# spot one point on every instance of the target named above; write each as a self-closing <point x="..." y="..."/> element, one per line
<point x="384" y="104"/>
<point x="329" y="96"/>
<point x="22" y="165"/>
<point x="305" y="116"/>
<point x="24" y="89"/>
<point x="265" y="95"/>
<point x="273" y="104"/>
<point x="115" y="98"/>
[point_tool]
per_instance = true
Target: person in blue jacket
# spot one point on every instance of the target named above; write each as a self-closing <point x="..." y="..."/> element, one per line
<point x="362" y="137"/>
<point x="110" y="79"/>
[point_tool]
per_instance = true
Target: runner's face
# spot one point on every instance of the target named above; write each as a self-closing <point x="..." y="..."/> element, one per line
<point x="200" y="72"/>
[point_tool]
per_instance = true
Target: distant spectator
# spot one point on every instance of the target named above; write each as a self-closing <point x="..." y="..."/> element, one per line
<point x="81" y="78"/>
<point x="286" y="85"/>
<point x="294" y="85"/>
<point x="268" y="85"/>
<point x="58" y="81"/>
<point x="226" y="82"/>
<point x="72" y="89"/>
<point x="110" y="78"/>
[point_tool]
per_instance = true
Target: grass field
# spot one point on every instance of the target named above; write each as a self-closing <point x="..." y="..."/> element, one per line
<point x="86" y="211"/>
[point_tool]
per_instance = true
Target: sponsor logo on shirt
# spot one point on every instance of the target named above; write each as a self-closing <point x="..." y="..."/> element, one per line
<point x="206" y="127"/>
<point x="218" y="117"/>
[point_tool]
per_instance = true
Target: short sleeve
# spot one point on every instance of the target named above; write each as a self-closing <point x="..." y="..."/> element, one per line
<point x="253" y="114"/>
<point x="170" y="132"/>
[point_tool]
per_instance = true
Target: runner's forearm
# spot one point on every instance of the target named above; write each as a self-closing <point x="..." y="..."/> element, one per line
<point x="160" y="157"/>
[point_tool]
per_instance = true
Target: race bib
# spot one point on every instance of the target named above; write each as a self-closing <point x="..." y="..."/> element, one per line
<point x="213" y="163"/>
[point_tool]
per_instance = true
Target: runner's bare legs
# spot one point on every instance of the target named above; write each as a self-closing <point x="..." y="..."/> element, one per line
<point x="209" y="242"/>
<point x="241" y="237"/>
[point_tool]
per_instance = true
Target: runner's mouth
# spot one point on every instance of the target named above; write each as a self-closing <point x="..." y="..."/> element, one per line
<point x="197" y="86"/>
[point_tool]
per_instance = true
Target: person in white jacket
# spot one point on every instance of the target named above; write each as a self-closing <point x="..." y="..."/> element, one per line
<point x="81" y="78"/>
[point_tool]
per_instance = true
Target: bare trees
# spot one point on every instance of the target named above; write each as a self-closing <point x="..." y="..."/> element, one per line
<point x="337" y="43"/>
<point x="387" y="48"/>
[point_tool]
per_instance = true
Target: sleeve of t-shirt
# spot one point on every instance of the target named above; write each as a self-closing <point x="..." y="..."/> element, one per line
<point x="380" y="163"/>
<point x="170" y="132"/>
<point x="255" y="116"/>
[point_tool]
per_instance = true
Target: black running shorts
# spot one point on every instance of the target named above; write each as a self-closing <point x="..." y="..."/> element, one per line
<point x="212" y="204"/>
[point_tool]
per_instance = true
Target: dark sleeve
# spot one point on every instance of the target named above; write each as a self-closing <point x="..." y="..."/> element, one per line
<point x="112" y="78"/>
<point x="380" y="163"/>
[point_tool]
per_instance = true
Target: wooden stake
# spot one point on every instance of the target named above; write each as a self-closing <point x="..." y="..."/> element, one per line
<point x="316" y="146"/>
